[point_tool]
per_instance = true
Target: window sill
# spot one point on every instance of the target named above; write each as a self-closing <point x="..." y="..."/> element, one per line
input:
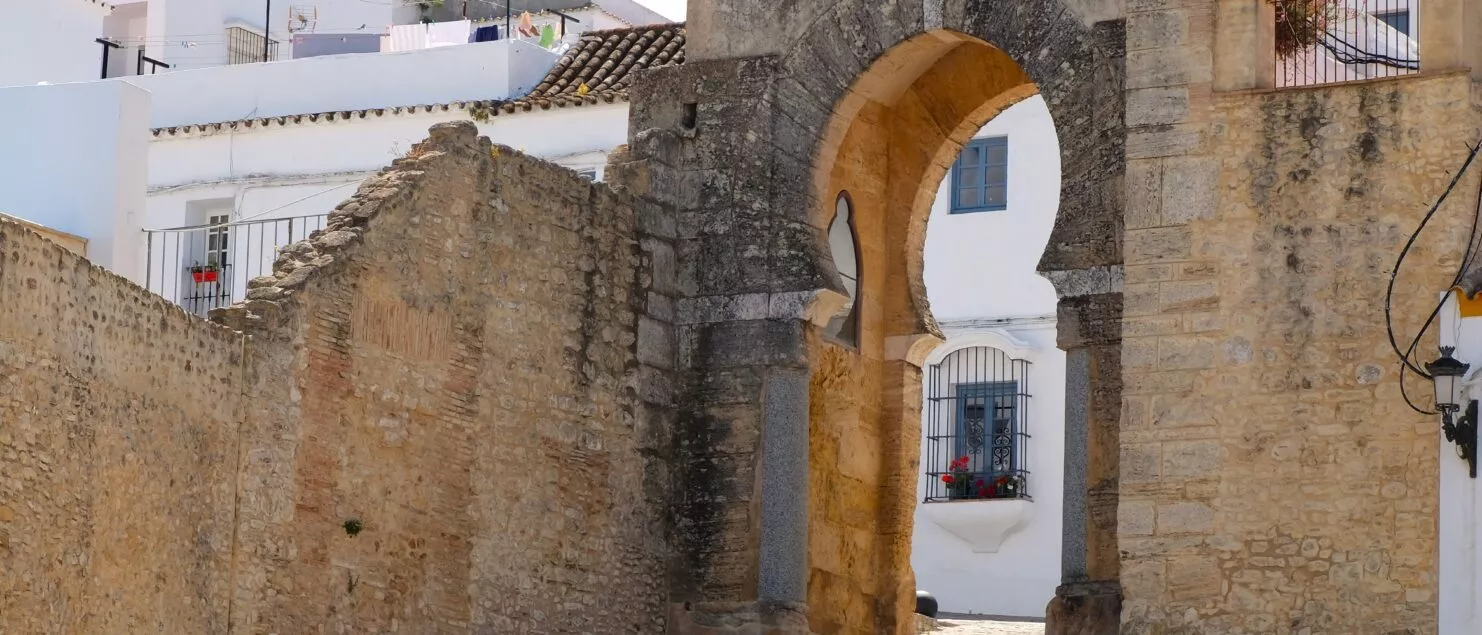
<point x="982" y="524"/>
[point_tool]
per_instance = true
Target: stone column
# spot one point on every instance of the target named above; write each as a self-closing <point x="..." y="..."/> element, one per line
<point x="740" y="438"/>
<point x="1244" y="45"/>
<point x="1451" y="36"/>
<point x="1089" y="599"/>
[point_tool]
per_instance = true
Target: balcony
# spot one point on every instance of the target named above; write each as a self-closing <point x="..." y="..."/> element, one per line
<point x="1335" y="41"/>
<point x="204" y="267"/>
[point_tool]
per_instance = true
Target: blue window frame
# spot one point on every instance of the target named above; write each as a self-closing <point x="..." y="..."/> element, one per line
<point x="980" y="178"/>
<point x="988" y="427"/>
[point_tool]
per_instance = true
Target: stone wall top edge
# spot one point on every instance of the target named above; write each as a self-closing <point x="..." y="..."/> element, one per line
<point x="321" y="255"/>
<point x="1462" y="76"/>
<point x="11" y="230"/>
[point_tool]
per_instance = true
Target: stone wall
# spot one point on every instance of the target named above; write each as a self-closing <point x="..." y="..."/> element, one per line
<point x="1273" y="479"/>
<point x="432" y="418"/>
<point x="118" y="416"/>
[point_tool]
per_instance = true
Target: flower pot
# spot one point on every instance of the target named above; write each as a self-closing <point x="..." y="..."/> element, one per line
<point x="208" y="275"/>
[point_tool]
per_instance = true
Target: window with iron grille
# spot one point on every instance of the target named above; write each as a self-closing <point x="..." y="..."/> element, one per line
<point x="209" y="276"/>
<point x="977" y="428"/>
<point x="245" y="47"/>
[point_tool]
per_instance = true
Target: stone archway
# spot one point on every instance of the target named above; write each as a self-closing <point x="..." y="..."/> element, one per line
<point x="796" y="457"/>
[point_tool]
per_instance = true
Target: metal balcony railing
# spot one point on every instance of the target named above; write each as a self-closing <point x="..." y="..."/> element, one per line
<point x="1333" y="41"/>
<point x="204" y="267"/>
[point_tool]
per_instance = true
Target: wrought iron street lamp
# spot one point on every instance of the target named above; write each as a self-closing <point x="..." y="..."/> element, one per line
<point x="1447" y="373"/>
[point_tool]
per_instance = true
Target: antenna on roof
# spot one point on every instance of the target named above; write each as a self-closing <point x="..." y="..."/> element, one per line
<point x="302" y="18"/>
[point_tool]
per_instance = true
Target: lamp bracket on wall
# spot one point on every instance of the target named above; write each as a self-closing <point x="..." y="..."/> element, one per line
<point x="1463" y="432"/>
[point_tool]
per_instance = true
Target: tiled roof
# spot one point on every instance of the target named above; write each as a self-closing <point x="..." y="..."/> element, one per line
<point x="598" y="69"/>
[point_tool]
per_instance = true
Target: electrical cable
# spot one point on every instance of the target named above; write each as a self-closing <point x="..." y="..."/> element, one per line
<point x="1395" y="274"/>
<point x="1469" y="257"/>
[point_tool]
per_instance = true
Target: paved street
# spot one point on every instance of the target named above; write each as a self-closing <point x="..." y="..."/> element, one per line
<point x="949" y="625"/>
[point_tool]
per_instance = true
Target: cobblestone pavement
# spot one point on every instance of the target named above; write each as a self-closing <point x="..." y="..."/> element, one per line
<point x="949" y="625"/>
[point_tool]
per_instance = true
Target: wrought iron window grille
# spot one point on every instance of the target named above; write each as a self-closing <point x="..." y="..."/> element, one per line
<point x="977" y="427"/>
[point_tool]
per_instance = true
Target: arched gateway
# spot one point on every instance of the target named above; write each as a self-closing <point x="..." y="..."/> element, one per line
<point x="797" y="448"/>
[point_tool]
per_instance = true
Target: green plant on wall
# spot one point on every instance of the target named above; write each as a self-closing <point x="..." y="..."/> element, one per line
<point x="427" y="6"/>
<point x="1302" y="23"/>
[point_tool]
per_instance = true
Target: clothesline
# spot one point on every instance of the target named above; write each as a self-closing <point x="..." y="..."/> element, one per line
<point x="414" y="37"/>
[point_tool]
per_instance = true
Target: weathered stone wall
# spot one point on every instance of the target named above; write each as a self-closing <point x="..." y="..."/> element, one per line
<point x="1273" y="479"/>
<point x="462" y="382"/>
<point x="457" y="365"/>
<point x="118" y="415"/>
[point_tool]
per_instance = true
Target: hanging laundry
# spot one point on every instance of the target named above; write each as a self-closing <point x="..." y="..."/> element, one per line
<point x="448" y="33"/>
<point x="406" y="37"/>
<point x="527" y="26"/>
<point x="547" y="36"/>
<point x="486" y="34"/>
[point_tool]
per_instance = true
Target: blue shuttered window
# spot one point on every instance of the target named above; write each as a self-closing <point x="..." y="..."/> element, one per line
<point x="980" y="178"/>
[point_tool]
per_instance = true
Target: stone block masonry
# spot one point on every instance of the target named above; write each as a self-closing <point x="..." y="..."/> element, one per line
<point x="118" y="416"/>
<point x="429" y="419"/>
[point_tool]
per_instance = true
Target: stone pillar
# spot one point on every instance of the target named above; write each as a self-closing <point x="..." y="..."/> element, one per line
<point x="1244" y="45"/>
<point x="740" y="438"/>
<point x="1451" y="36"/>
<point x="1089" y="599"/>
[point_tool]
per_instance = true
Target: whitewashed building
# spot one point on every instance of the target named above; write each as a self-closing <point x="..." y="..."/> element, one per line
<point x="59" y="41"/>
<point x="269" y="179"/>
<point x="989" y="541"/>
<point x="196" y="177"/>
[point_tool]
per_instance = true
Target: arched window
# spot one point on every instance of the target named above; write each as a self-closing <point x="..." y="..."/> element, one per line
<point x="977" y="426"/>
<point x="844" y="244"/>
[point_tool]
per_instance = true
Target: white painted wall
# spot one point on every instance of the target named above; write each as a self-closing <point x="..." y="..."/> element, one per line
<point x="486" y="70"/>
<point x="983" y="264"/>
<point x="1460" y="532"/>
<point x="91" y="181"/>
<point x="128" y="26"/>
<point x="982" y="283"/>
<point x="51" y="41"/>
<point x="1019" y="578"/>
<point x="283" y="172"/>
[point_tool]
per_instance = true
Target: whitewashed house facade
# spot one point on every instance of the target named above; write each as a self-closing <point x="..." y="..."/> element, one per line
<point x="225" y="194"/>
<point x="195" y="177"/>
<point x="989" y="543"/>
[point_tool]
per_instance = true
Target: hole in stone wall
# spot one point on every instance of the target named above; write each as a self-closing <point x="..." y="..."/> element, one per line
<point x="690" y="115"/>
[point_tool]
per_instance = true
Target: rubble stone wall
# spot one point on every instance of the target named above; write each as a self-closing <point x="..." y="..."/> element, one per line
<point x="118" y="414"/>
<point x="427" y="420"/>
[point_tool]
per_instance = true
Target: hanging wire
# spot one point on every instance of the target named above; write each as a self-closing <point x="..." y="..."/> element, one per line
<point x="1468" y="258"/>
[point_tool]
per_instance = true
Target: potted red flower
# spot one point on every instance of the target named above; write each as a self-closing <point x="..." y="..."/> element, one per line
<point x="208" y="272"/>
<point x="963" y="483"/>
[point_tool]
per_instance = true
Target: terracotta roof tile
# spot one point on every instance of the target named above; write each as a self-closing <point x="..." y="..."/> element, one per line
<point x="603" y="61"/>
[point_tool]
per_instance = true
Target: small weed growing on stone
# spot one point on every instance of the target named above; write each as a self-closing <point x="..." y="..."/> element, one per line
<point x="353" y="526"/>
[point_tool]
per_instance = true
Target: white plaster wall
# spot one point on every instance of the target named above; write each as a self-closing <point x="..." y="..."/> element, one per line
<point x="980" y="277"/>
<point x="983" y="264"/>
<point x="486" y="70"/>
<point x="51" y="41"/>
<point x="347" y="16"/>
<point x="129" y="27"/>
<point x="306" y="170"/>
<point x="1020" y="578"/>
<point x="1459" y="529"/>
<point x="92" y="181"/>
<point x="370" y="144"/>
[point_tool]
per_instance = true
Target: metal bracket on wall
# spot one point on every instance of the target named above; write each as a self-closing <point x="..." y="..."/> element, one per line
<point x="1463" y="432"/>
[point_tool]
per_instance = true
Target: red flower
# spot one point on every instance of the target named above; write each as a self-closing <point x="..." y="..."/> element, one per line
<point x="947" y="478"/>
